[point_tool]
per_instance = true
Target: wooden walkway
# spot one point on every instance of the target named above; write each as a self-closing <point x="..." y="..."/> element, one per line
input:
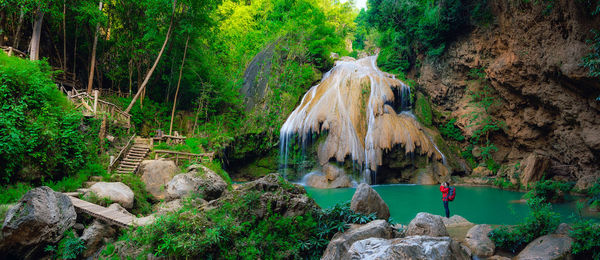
<point x="109" y="215"/>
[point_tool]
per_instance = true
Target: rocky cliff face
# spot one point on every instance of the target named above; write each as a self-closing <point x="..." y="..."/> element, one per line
<point x="531" y="55"/>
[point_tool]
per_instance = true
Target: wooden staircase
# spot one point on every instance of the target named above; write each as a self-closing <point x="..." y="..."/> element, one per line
<point x="134" y="156"/>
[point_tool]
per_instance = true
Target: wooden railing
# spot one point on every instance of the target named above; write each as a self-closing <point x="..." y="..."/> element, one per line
<point x="10" y="51"/>
<point x="110" y="92"/>
<point x="169" y="139"/>
<point x="65" y="78"/>
<point x="177" y="156"/>
<point x="121" y="153"/>
<point x="96" y="106"/>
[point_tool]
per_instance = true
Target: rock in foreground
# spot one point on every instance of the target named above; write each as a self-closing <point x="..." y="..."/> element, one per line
<point x="273" y="195"/>
<point x="156" y="174"/>
<point x="332" y="178"/>
<point x="198" y="179"/>
<point x="366" y="201"/>
<point x="553" y="246"/>
<point x="115" y="191"/>
<point x="427" y="225"/>
<point x="478" y="241"/>
<point x="414" y="247"/>
<point x="39" y="218"/>
<point x="340" y="245"/>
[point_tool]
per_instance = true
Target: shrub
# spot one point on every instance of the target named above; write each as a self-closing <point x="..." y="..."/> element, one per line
<point x="541" y="221"/>
<point x="549" y="190"/>
<point x="40" y="136"/>
<point x="70" y="247"/>
<point x="449" y="130"/>
<point x="586" y="239"/>
<point x="594" y="193"/>
<point x="232" y="231"/>
<point x="142" y="201"/>
<point x="331" y="221"/>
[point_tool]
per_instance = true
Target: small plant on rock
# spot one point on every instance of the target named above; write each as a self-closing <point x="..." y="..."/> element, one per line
<point x="70" y="246"/>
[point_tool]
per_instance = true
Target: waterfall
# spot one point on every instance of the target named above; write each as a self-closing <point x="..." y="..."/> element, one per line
<point x="356" y="105"/>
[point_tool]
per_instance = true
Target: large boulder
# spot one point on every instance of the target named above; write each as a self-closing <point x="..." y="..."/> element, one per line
<point x="478" y="241"/>
<point x="339" y="246"/>
<point x="428" y="225"/>
<point x="548" y="247"/>
<point x="332" y="177"/>
<point x="456" y="220"/>
<point x="156" y="174"/>
<point x="115" y="191"/>
<point x="166" y="207"/>
<point x="94" y="235"/>
<point x="533" y="168"/>
<point x="272" y="195"/>
<point x="39" y="218"/>
<point x="366" y="201"/>
<point x="413" y="247"/>
<point x="198" y="179"/>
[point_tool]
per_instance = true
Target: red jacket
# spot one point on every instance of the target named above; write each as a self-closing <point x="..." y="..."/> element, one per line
<point x="444" y="191"/>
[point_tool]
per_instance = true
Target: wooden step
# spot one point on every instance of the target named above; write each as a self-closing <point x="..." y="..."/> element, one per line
<point x="139" y="150"/>
<point x="137" y="159"/>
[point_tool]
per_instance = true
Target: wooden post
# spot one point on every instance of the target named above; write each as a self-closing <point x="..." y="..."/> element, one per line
<point x="95" y="100"/>
<point x="10" y="51"/>
<point x="176" y="158"/>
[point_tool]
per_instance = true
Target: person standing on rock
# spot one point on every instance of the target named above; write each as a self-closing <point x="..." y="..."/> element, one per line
<point x="444" y="188"/>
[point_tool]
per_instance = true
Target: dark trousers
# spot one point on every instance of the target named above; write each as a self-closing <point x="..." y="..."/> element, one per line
<point x="447" y="209"/>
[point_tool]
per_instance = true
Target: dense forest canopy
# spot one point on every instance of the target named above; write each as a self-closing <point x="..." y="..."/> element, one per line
<point x="114" y="45"/>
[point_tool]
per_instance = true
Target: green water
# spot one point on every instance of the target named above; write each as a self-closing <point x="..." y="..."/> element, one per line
<point x="476" y="204"/>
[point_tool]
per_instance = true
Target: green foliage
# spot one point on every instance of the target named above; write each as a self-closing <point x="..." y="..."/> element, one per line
<point x="70" y="246"/>
<point x="467" y="154"/>
<point x="233" y="230"/>
<point x="3" y="211"/>
<point x="329" y="222"/>
<point x="503" y="183"/>
<point x="541" y="221"/>
<point x="481" y="14"/>
<point x="411" y="27"/>
<point x="13" y="193"/>
<point x="586" y="239"/>
<point x="423" y="110"/>
<point x="142" y="200"/>
<point x="592" y="60"/>
<point x="40" y="136"/>
<point x="92" y="197"/>
<point x="449" y="130"/>
<point x="594" y="193"/>
<point x="549" y="190"/>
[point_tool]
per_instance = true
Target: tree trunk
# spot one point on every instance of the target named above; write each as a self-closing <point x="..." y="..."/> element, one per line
<point x="64" y="25"/>
<point x="93" y="63"/>
<point x="2" y="15"/>
<point x="178" y="83"/>
<point x="75" y="53"/>
<point x="18" y="32"/>
<point x="34" y="45"/>
<point x="162" y="49"/>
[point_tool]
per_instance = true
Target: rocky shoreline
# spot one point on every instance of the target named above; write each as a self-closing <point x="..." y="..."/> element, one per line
<point x="42" y="217"/>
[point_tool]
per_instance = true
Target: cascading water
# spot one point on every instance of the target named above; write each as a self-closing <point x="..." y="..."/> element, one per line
<point x="355" y="104"/>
